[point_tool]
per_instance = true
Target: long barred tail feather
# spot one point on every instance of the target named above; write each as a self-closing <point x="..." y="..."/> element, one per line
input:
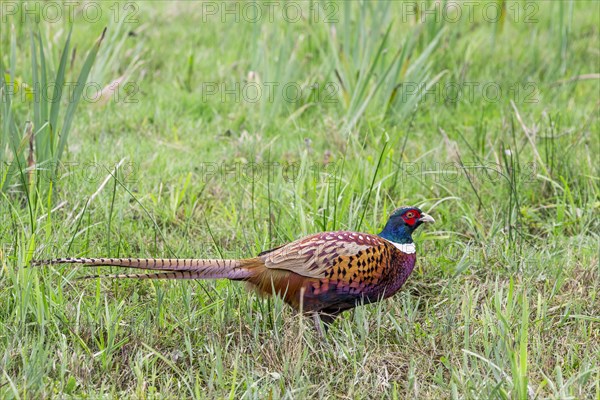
<point x="175" y="268"/>
<point x="160" y="275"/>
<point x="160" y="264"/>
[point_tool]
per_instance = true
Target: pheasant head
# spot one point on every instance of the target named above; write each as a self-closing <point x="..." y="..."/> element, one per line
<point x="402" y="223"/>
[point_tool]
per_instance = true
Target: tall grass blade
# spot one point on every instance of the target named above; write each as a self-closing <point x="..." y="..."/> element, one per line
<point x="81" y="81"/>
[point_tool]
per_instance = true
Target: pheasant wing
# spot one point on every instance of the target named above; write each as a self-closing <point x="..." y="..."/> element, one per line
<point x="315" y="255"/>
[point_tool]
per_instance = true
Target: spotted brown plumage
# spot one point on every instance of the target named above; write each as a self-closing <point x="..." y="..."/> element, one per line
<point x="323" y="274"/>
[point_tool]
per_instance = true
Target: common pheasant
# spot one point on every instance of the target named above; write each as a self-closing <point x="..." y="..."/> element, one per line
<point x="322" y="274"/>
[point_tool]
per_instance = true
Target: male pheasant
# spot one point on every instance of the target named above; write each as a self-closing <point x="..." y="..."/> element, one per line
<point x="322" y="274"/>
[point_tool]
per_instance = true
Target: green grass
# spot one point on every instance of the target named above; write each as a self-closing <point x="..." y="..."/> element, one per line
<point x="504" y="302"/>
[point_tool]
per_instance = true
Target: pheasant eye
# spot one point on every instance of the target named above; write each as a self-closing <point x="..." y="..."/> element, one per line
<point x="410" y="214"/>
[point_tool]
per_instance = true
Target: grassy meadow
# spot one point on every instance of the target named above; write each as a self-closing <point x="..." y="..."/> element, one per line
<point x="220" y="129"/>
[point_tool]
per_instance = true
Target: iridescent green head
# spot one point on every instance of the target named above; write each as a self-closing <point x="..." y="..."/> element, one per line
<point x="402" y="223"/>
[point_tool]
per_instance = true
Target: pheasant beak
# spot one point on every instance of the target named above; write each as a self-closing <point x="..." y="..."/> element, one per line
<point x="426" y="218"/>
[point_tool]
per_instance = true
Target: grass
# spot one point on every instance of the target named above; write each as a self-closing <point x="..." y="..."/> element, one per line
<point x="504" y="300"/>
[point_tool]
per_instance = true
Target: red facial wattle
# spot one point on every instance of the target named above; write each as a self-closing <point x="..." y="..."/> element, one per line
<point x="411" y="218"/>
